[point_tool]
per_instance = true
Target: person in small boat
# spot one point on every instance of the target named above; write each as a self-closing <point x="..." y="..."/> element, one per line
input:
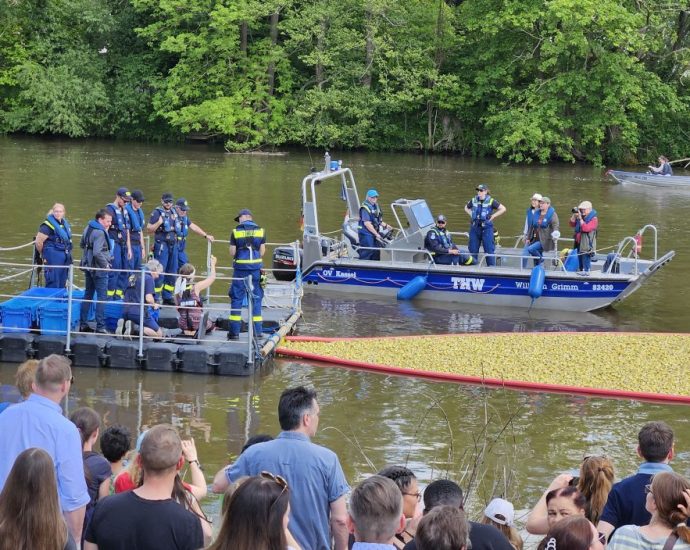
<point x="136" y="230"/>
<point x="133" y="299"/>
<point x="122" y="248"/>
<point x="664" y="168"/>
<point x="440" y="243"/>
<point x="188" y="298"/>
<point x="483" y="209"/>
<point x="183" y="226"/>
<point x="369" y="229"/>
<point x="546" y="226"/>
<point x="54" y="244"/>
<point x="585" y="222"/>
<point x="529" y="233"/>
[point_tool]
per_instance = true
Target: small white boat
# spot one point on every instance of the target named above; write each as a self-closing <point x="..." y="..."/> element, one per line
<point x="649" y="179"/>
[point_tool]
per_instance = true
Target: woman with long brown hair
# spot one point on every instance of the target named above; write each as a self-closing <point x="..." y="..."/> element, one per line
<point x="30" y="515"/>
<point x="596" y="480"/>
<point x="572" y="533"/>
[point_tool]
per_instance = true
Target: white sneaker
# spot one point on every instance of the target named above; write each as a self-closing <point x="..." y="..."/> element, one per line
<point x="120" y="326"/>
<point x="128" y="330"/>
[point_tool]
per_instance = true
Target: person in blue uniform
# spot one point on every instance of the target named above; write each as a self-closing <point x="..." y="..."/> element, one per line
<point x="163" y="225"/>
<point x="54" y="244"/>
<point x="440" y="243"/>
<point x="247" y="247"/>
<point x="122" y="251"/>
<point x="483" y="209"/>
<point x="134" y="298"/>
<point x="370" y="224"/>
<point x="183" y="226"/>
<point x="136" y="231"/>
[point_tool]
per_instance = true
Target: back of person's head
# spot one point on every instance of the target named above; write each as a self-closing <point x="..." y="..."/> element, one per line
<point x="443" y="528"/>
<point x="254" y="515"/>
<point x="376" y="510"/>
<point x="187" y="269"/>
<point x="667" y="491"/>
<point x="401" y="475"/>
<point x="655" y="441"/>
<point x="442" y="492"/>
<point x="596" y="480"/>
<point x="161" y="450"/>
<point x="500" y="513"/>
<point x="116" y="441"/>
<point x="25" y="377"/>
<point x="293" y="405"/>
<point x="572" y="533"/>
<point x="260" y="438"/>
<point x="30" y="515"/>
<point x="154" y="266"/>
<point x="52" y="372"/>
<point x="87" y="422"/>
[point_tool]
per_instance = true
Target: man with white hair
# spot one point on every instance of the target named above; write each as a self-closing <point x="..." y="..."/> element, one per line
<point x="134" y="299"/>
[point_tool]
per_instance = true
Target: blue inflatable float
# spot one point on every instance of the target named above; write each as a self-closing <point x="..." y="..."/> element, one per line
<point x="411" y="289"/>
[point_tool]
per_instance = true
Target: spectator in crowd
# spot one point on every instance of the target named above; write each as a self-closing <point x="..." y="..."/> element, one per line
<point x="317" y="501"/>
<point x="444" y="492"/>
<point x="115" y="443"/>
<point x="406" y="482"/>
<point x="96" y="468"/>
<point x="559" y="501"/>
<point x="256" y="516"/>
<point x="666" y="502"/>
<point x="147" y="517"/>
<point x="30" y="515"/>
<point x="38" y="422"/>
<point x="626" y="503"/>
<point x="24" y="379"/>
<point x="259" y="438"/>
<point x="443" y="528"/>
<point x="595" y="482"/>
<point x="500" y="513"/>
<point x="573" y="533"/>
<point x="376" y="514"/>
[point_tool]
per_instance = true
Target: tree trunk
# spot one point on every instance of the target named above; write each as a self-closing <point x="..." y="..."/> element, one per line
<point x="369" y="48"/>
<point x="274" y="41"/>
<point x="320" y="48"/>
<point x="244" y="31"/>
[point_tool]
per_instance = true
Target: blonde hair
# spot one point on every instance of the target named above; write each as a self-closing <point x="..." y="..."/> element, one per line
<point x="596" y="479"/>
<point x="50" y="212"/>
<point x="25" y="377"/>
<point x="509" y="532"/>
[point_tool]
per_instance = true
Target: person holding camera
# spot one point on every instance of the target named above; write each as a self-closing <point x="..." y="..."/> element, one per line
<point x="584" y="220"/>
<point x="546" y="226"/>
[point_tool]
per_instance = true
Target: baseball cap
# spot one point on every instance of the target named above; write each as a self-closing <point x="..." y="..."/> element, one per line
<point x="536" y="197"/>
<point x="481" y="187"/>
<point x="501" y="511"/>
<point x="372" y="193"/>
<point x="137" y="195"/>
<point x="167" y="197"/>
<point x="124" y="193"/>
<point x="584" y="204"/>
<point x="182" y="204"/>
<point x="243" y="212"/>
<point x="547" y="200"/>
<point x="440" y="218"/>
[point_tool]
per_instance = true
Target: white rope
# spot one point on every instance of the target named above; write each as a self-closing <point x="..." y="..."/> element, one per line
<point x="16" y="275"/>
<point x="7" y="249"/>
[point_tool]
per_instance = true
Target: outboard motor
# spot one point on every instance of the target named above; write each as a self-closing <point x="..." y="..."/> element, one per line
<point x="284" y="259"/>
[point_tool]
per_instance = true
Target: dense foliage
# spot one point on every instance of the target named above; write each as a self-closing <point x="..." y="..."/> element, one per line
<point x="603" y="81"/>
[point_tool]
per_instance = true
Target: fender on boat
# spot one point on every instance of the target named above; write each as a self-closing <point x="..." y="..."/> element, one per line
<point x="411" y="289"/>
<point x="536" y="281"/>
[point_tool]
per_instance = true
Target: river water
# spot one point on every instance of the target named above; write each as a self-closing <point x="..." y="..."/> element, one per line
<point x="494" y="442"/>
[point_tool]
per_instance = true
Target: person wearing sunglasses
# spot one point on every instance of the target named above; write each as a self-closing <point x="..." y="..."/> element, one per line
<point x="406" y="482"/>
<point x="163" y="224"/>
<point x="665" y="500"/>
<point x="439" y="243"/>
<point x="483" y="209"/>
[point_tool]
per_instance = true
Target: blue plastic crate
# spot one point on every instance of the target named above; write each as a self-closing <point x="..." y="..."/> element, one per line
<point x="20" y="314"/>
<point x="52" y="317"/>
<point x="113" y="312"/>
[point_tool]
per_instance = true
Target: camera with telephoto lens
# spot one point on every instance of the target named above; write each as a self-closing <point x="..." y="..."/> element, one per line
<point x="574" y="209"/>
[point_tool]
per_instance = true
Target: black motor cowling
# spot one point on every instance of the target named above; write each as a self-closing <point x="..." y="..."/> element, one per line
<point x="284" y="263"/>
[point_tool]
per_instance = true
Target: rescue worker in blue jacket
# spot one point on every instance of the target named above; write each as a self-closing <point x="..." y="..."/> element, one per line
<point x="163" y="225"/>
<point x="122" y="252"/>
<point x="136" y="232"/>
<point x="247" y="247"/>
<point x="483" y="209"/>
<point x="370" y="224"/>
<point x="440" y="243"/>
<point x="54" y="244"/>
<point x="183" y="226"/>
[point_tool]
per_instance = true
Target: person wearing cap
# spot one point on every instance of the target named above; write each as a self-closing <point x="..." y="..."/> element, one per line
<point x="54" y="243"/>
<point x="440" y="244"/>
<point x="163" y="224"/>
<point x="247" y="247"/>
<point x="370" y="224"/>
<point x="500" y="513"/>
<point x="122" y="246"/>
<point x="183" y="226"/>
<point x="483" y="209"/>
<point x="528" y="232"/>
<point x="546" y="226"/>
<point x="585" y="223"/>
<point x="136" y="231"/>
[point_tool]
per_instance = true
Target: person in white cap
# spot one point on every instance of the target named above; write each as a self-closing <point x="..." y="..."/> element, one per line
<point x="529" y="235"/>
<point x="547" y="230"/>
<point x="584" y="220"/>
<point x="501" y="514"/>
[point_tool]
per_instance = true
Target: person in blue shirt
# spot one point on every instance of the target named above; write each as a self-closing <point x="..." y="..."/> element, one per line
<point x="664" y="168"/>
<point x="370" y="226"/>
<point x="137" y="222"/>
<point x="163" y="225"/>
<point x="184" y="224"/>
<point x="131" y="312"/>
<point x="483" y="209"/>
<point x="122" y="247"/>
<point x="54" y="244"/>
<point x="439" y="243"/>
<point x="376" y="514"/>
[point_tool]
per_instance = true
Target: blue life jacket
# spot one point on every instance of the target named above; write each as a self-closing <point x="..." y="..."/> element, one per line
<point x="444" y="238"/>
<point x="481" y="210"/>
<point x="61" y="239"/>
<point x="375" y="214"/>
<point x="531" y="215"/>
<point x="121" y="224"/>
<point x="248" y="238"/>
<point x="136" y="218"/>
<point x="547" y="219"/>
<point x="86" y="243"/>
<point x="168" y="217"/>
<point x="182" y="227"/>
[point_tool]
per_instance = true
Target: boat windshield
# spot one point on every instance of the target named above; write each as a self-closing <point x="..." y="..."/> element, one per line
<point x="422" y="214"/>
